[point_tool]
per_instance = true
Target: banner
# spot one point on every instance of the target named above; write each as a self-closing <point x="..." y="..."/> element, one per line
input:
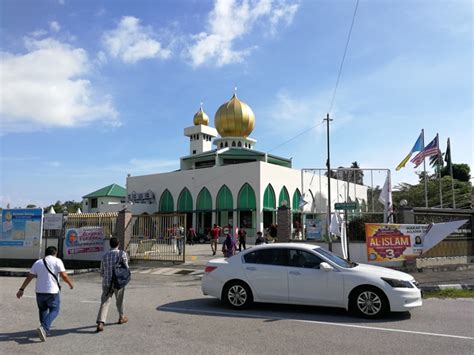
<point x="84" y="240"/>
<point x="53" y="221"/>
<point x="21" y="227"/>
<point x="314" y="229"/>
<point x="394" y="242"/>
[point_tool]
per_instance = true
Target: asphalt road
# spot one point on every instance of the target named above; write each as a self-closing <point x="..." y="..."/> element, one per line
<point x="169" y="315"/>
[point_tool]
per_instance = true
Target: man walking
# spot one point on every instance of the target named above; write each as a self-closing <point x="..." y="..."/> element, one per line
<point x="109" y="260"/>
<point x="46" y="271"/>
<point x="215" y="231"/>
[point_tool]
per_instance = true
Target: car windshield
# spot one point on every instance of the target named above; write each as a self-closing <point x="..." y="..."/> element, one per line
<point x="334" y="258"/>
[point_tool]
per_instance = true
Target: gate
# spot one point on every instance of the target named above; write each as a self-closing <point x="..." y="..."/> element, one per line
<point x="158" y="237"/>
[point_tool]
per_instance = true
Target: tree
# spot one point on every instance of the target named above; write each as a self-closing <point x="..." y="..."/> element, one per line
<point x="461" y="172"/>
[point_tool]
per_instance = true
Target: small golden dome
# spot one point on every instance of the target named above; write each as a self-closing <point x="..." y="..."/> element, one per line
<point x="201" y="118"/>
<point x="234" y="119"/>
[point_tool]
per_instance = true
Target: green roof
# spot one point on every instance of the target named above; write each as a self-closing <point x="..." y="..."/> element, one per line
<point x="113" y="190"/>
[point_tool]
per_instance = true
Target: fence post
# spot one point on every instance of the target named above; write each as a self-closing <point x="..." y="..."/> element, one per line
<point x="284" y="224"/>
<point x="124" y="228"/>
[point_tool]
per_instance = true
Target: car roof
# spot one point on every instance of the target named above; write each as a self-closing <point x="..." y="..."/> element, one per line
<point x="287" y="245"/>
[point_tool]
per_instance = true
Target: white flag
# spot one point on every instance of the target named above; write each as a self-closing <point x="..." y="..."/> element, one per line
<point x="437" y="232"/>
<point x="302" y="202"/>
<point x="335" y="225"/>
<point x="344" y="245"/>
<point x="386" y="198"/>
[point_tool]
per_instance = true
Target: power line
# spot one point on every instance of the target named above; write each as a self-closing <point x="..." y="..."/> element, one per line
<point x="343" y="57"/>
<point x="294" y="137"/>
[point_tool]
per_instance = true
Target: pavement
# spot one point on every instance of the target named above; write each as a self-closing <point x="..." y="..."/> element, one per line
<point x="197" y="256"/>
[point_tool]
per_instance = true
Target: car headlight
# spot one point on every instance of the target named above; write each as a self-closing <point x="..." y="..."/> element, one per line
<point x="398" y="283"/>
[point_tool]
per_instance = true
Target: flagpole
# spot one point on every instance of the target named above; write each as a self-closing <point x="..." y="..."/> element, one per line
<point x="439" y="173"/>
<point x="424" y="169"/>
<point x="328" y="163"/>
<point x="451" y="173"/>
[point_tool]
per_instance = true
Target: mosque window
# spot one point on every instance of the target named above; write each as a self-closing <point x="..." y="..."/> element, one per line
<point x="245" y="145"/>
<point x="194" y="151"/>
<point x="226" y="145"/>
<point x="284" y="196"/>
<point x="240" y="144"/>
<point x="233" y="143"/>
<point x="224" y="199"/>
<point x="296" y="200"/>
<point x="185" y="201"/>
<point x="222" y="145"/>
<point x="166" y="202"/>
<point x="269" y="198"/>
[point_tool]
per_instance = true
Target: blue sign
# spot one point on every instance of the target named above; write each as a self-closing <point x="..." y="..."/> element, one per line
<point x="21" y="227"/>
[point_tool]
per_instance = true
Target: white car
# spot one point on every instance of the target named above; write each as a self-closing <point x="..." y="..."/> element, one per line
<point x="306" y="274"/>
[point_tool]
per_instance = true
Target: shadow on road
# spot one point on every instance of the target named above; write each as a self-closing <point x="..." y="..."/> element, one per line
<point x="31" y="336"/>
<point x="274" y="312"/>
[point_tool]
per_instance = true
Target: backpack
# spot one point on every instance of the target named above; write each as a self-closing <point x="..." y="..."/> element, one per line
<point x="121" y="274"/>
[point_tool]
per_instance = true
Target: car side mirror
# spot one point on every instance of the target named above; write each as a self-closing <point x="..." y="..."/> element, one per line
<point x="325" y="267"/>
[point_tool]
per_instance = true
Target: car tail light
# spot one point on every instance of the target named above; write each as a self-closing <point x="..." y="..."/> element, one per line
<point x="209" y="269"/>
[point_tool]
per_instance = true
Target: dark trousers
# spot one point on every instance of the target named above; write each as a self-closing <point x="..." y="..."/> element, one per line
<point x="242" y="244"/>
<point x="48" y="305"/>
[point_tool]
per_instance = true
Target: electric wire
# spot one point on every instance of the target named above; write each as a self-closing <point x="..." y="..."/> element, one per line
<point x="344" y="56"/>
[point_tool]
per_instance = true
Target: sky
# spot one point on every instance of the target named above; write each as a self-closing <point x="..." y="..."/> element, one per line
<point x="94" y="90"/>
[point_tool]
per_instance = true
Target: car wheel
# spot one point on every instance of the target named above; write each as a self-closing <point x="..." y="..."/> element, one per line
<point x="237" y="295"/>
<point x="369" y="302"/>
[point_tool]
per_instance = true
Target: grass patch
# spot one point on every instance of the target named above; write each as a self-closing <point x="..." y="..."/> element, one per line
<point x="449" y="293"/>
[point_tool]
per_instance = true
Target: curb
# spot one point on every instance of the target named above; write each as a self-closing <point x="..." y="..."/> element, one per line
<point x="428" y="288"/>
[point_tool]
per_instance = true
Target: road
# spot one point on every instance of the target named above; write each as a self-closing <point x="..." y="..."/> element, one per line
<point x="169" y="315"/>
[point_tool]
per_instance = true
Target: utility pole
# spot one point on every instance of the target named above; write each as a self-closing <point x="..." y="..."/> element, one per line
<point x="328" y="164"/>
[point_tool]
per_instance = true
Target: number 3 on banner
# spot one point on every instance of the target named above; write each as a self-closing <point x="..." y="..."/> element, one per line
<point x="390" y="253"/>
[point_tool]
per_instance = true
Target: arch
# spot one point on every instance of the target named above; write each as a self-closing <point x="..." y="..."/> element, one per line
<point x="166" y="202"/>
<point x="239" y="144"/>
<point x="284" y="196"/>
<point x="224" y="199"/>
<point x="204" y="201"/>
<point x="246" y="199"/>
<point x="296" y="200"/>
<point x="269" y="198"/>
<point x="226" y="145"/>
<point x="233" y="143"/>
<point x="185" y="201"/>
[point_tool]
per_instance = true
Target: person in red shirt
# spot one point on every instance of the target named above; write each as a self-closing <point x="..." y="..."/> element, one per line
<point x="215" y="231"/>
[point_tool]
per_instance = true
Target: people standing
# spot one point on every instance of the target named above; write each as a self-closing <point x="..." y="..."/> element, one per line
<point x="46" y="271"/>
<point x="215" y="231"/>
<point x="242" y="238"/>
<point x="113" y="257"/>
<point x="180" y="236"/>
<point x="191" y="235"/>
<point x="260" y="239"/>
<point x="228" y="247"/>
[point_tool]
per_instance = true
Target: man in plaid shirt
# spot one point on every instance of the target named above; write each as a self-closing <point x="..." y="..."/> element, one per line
<point x="109" y="260"/>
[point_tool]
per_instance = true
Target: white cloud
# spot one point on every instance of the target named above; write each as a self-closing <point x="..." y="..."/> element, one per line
<point x="132" y="42"/>
<point x="54" y="26"/>
<point x="46" y="87"/>
<point x="38" y="33"/>
<point x="231" y="20"/>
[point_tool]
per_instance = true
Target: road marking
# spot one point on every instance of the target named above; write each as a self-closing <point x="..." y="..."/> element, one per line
<point x="249" y="315"/>
<point x="455" y="286"/>
<point x="162" y="271"/>
<point x="29" y="296"/>
<point x="90" y="302"/>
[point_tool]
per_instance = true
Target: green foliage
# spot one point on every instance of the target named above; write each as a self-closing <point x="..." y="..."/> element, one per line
<point x="415" y="194"/>
<point x="356" y="228"/>
<point x="461" y="172"/>
<point x="70" y="206"/>
<point x="449" y="293"/>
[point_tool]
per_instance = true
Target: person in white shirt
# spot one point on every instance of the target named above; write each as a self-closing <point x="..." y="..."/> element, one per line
<point x="47" y="288"/>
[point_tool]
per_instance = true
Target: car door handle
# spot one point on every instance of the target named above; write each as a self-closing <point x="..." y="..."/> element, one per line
<point x="295" y="273"/>
<point x="251" y="268"/>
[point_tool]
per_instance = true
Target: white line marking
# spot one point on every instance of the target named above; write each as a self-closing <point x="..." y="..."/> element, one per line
<point x="29" y="296"/>
<point x="145" y="271"/>
<point x="455" y="286"/>
<point x="90" y="302"/>
<point x="197" y="272"/>
<point x="249" y="315"/>
<point x="162" y="271"/>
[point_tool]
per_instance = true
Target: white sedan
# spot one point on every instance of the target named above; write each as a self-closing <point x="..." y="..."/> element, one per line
<point x="306" y="274"/>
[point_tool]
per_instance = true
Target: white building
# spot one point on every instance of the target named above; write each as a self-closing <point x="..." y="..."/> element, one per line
<point x="232" y="184"/>
<point x="107" y="199"/>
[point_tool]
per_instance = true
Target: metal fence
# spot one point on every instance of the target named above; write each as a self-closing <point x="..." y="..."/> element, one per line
<point x="158" y="237"/>
<point x="106" y="220"/>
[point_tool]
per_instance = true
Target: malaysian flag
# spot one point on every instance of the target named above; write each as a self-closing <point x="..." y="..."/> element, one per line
<point x="430" y="149"/>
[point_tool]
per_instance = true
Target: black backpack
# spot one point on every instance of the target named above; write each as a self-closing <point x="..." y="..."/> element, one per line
<point x="121" y="274"/>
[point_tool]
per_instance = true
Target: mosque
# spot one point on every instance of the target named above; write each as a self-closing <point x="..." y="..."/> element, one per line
<point x="226" y="181"/>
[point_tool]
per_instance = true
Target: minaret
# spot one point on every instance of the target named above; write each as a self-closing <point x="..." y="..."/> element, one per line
<point x="200" y="135"/>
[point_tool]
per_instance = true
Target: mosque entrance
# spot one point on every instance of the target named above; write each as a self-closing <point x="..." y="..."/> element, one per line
<point x="204" y="222"/>
<point x="267" y="218"/>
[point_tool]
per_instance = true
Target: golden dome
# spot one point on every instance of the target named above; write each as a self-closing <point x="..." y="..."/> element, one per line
<point x="234" y="119"/>
<point x="201" y="118"/>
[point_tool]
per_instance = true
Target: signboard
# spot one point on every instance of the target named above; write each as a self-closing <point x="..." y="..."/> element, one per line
<point x="21" y="227"/>
<point x="314" y="229"/>
<point x="53" y="221"/>
<point x="394" y="242"/>
<point x="84" y="240"/>
<point x="345" y="206"/>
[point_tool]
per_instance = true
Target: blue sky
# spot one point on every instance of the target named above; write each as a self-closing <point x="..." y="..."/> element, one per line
<point x="94" y="90"/>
